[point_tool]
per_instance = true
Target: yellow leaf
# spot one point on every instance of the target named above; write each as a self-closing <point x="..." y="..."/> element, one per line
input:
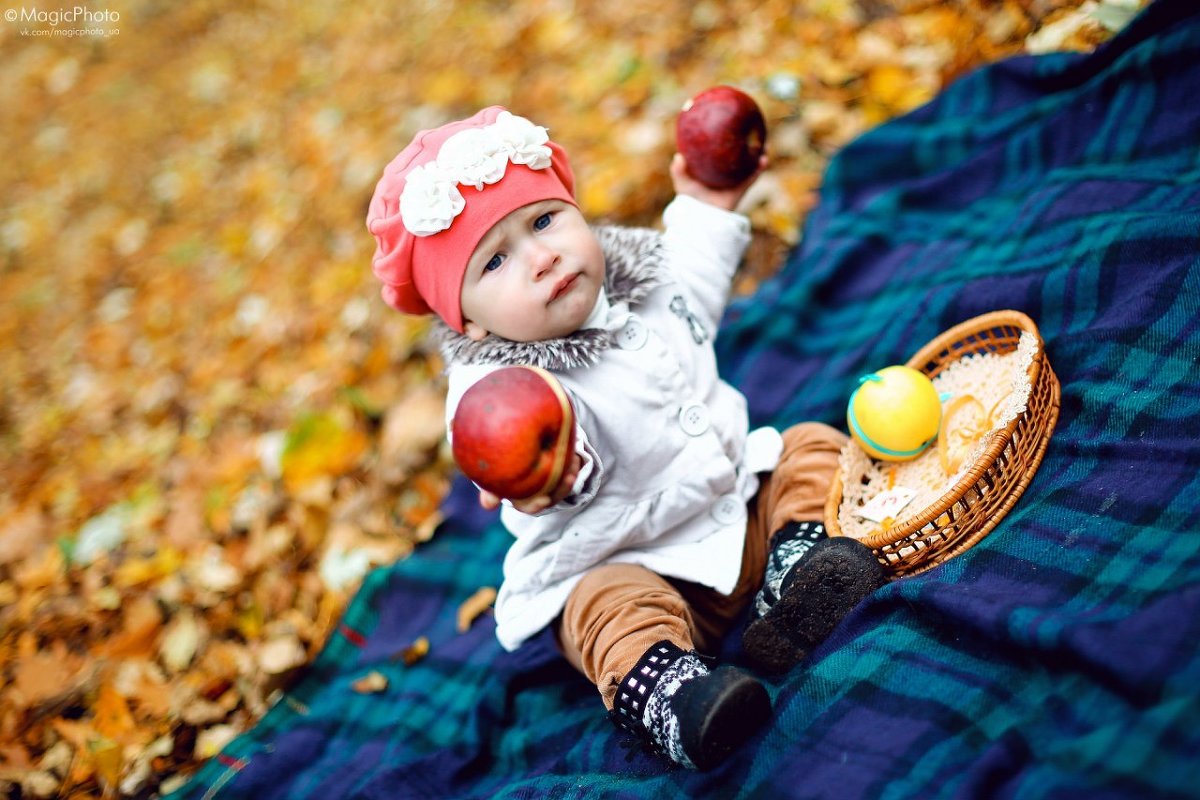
<point x="108" y="759"/>
<point x="249" y="622"/>
<point x="893" y="90"/>
<point x="145" y="570"/>
<point x="888" y="83"/>
<point x="319" y="445"/>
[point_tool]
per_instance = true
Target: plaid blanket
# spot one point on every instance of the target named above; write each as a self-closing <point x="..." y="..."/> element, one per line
<point x="1058" y="658"/>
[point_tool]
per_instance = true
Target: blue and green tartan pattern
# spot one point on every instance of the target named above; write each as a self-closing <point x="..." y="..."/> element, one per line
<point x="1059" y="658"/>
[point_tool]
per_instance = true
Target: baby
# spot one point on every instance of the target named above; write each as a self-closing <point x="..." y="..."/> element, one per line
<point x="672" y="517"/>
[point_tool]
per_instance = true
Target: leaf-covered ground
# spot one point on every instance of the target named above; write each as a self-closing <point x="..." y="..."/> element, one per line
<point x="210" y="425"/>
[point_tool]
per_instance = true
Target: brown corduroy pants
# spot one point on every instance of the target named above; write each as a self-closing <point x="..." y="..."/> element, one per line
<point x="619" y="610"/>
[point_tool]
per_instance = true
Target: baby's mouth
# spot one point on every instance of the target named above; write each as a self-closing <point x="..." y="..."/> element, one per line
<point x="562" y="287"/>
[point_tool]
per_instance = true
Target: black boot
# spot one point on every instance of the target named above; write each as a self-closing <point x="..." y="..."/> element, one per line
<point x="812" y="582"/>
<point x="693" y="716"/>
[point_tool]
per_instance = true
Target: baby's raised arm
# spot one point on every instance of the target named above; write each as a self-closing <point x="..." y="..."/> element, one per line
<point x="726" y="199"/>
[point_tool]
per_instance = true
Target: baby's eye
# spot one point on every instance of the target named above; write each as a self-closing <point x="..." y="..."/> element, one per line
<point x="541" y="222"/>
<point x="493" y="263"/>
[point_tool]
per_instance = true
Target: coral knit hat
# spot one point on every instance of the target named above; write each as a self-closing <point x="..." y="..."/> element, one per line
<point x="444" y="191"/>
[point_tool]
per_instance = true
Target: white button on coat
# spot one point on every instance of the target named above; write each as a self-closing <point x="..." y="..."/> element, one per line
<point x="729" y="510"/>
<point x="694" y="419"/>
<point x="633" y="335"/>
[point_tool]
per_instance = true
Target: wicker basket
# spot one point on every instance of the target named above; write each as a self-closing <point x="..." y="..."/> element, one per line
<point x="990" y="487"/>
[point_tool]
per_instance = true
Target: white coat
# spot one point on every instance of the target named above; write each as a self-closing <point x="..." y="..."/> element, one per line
<point x="667" y="467"/>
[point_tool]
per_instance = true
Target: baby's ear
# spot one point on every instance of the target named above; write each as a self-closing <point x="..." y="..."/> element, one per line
<point x="474" y="332"/>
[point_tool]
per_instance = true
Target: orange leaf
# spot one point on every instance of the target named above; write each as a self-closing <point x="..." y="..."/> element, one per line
<point x="475" y="605"/>
<point x="371" y="683"/>
<point x="21" y="535"/>
<point x="142" y="623"/>
<point x="151" y="696"/>
<point x="111" y="713"/>
<point x="45" y="675"/>
<point x="76" y="733"/>
<point x="414" y="652"/>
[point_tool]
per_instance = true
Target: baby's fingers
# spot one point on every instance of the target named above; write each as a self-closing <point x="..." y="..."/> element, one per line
<point x="533" y="505"/>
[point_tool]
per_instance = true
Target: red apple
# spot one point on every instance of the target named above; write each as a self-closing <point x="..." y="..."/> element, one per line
<point x="721" y="133"/>
<point x="513" y="432"/>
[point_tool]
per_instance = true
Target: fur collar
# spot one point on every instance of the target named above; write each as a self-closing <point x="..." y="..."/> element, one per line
<point x="633" y="259"/>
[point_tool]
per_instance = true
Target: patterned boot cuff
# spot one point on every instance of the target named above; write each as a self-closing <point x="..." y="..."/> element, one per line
<point x="789" y="545"/>
<point x="642" y="704"/>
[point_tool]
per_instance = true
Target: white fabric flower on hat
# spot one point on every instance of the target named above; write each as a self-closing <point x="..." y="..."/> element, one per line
<point x="430" y="200"/>
<point x="475" y="157"/>
<point x="522" y="141"/>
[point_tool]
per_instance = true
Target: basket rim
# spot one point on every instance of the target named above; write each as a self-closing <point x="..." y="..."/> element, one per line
<point x="998" y="440"/>
<point x="968" y="327"/>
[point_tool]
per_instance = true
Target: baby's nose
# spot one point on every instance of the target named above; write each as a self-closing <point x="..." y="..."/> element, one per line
<point x="543" y="259"/>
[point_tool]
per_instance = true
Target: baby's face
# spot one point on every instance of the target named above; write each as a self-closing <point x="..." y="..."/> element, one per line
<point x="535" y="275"/>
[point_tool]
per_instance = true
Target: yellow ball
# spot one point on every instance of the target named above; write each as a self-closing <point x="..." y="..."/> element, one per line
<point x="894" y="414"/>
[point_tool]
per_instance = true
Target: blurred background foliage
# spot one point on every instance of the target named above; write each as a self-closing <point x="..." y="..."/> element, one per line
<point x="210" y="425"/>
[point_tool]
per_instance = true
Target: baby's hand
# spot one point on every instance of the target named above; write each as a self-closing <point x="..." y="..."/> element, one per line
<point x="721" y="198"/>
<point x="532" y="505"/>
